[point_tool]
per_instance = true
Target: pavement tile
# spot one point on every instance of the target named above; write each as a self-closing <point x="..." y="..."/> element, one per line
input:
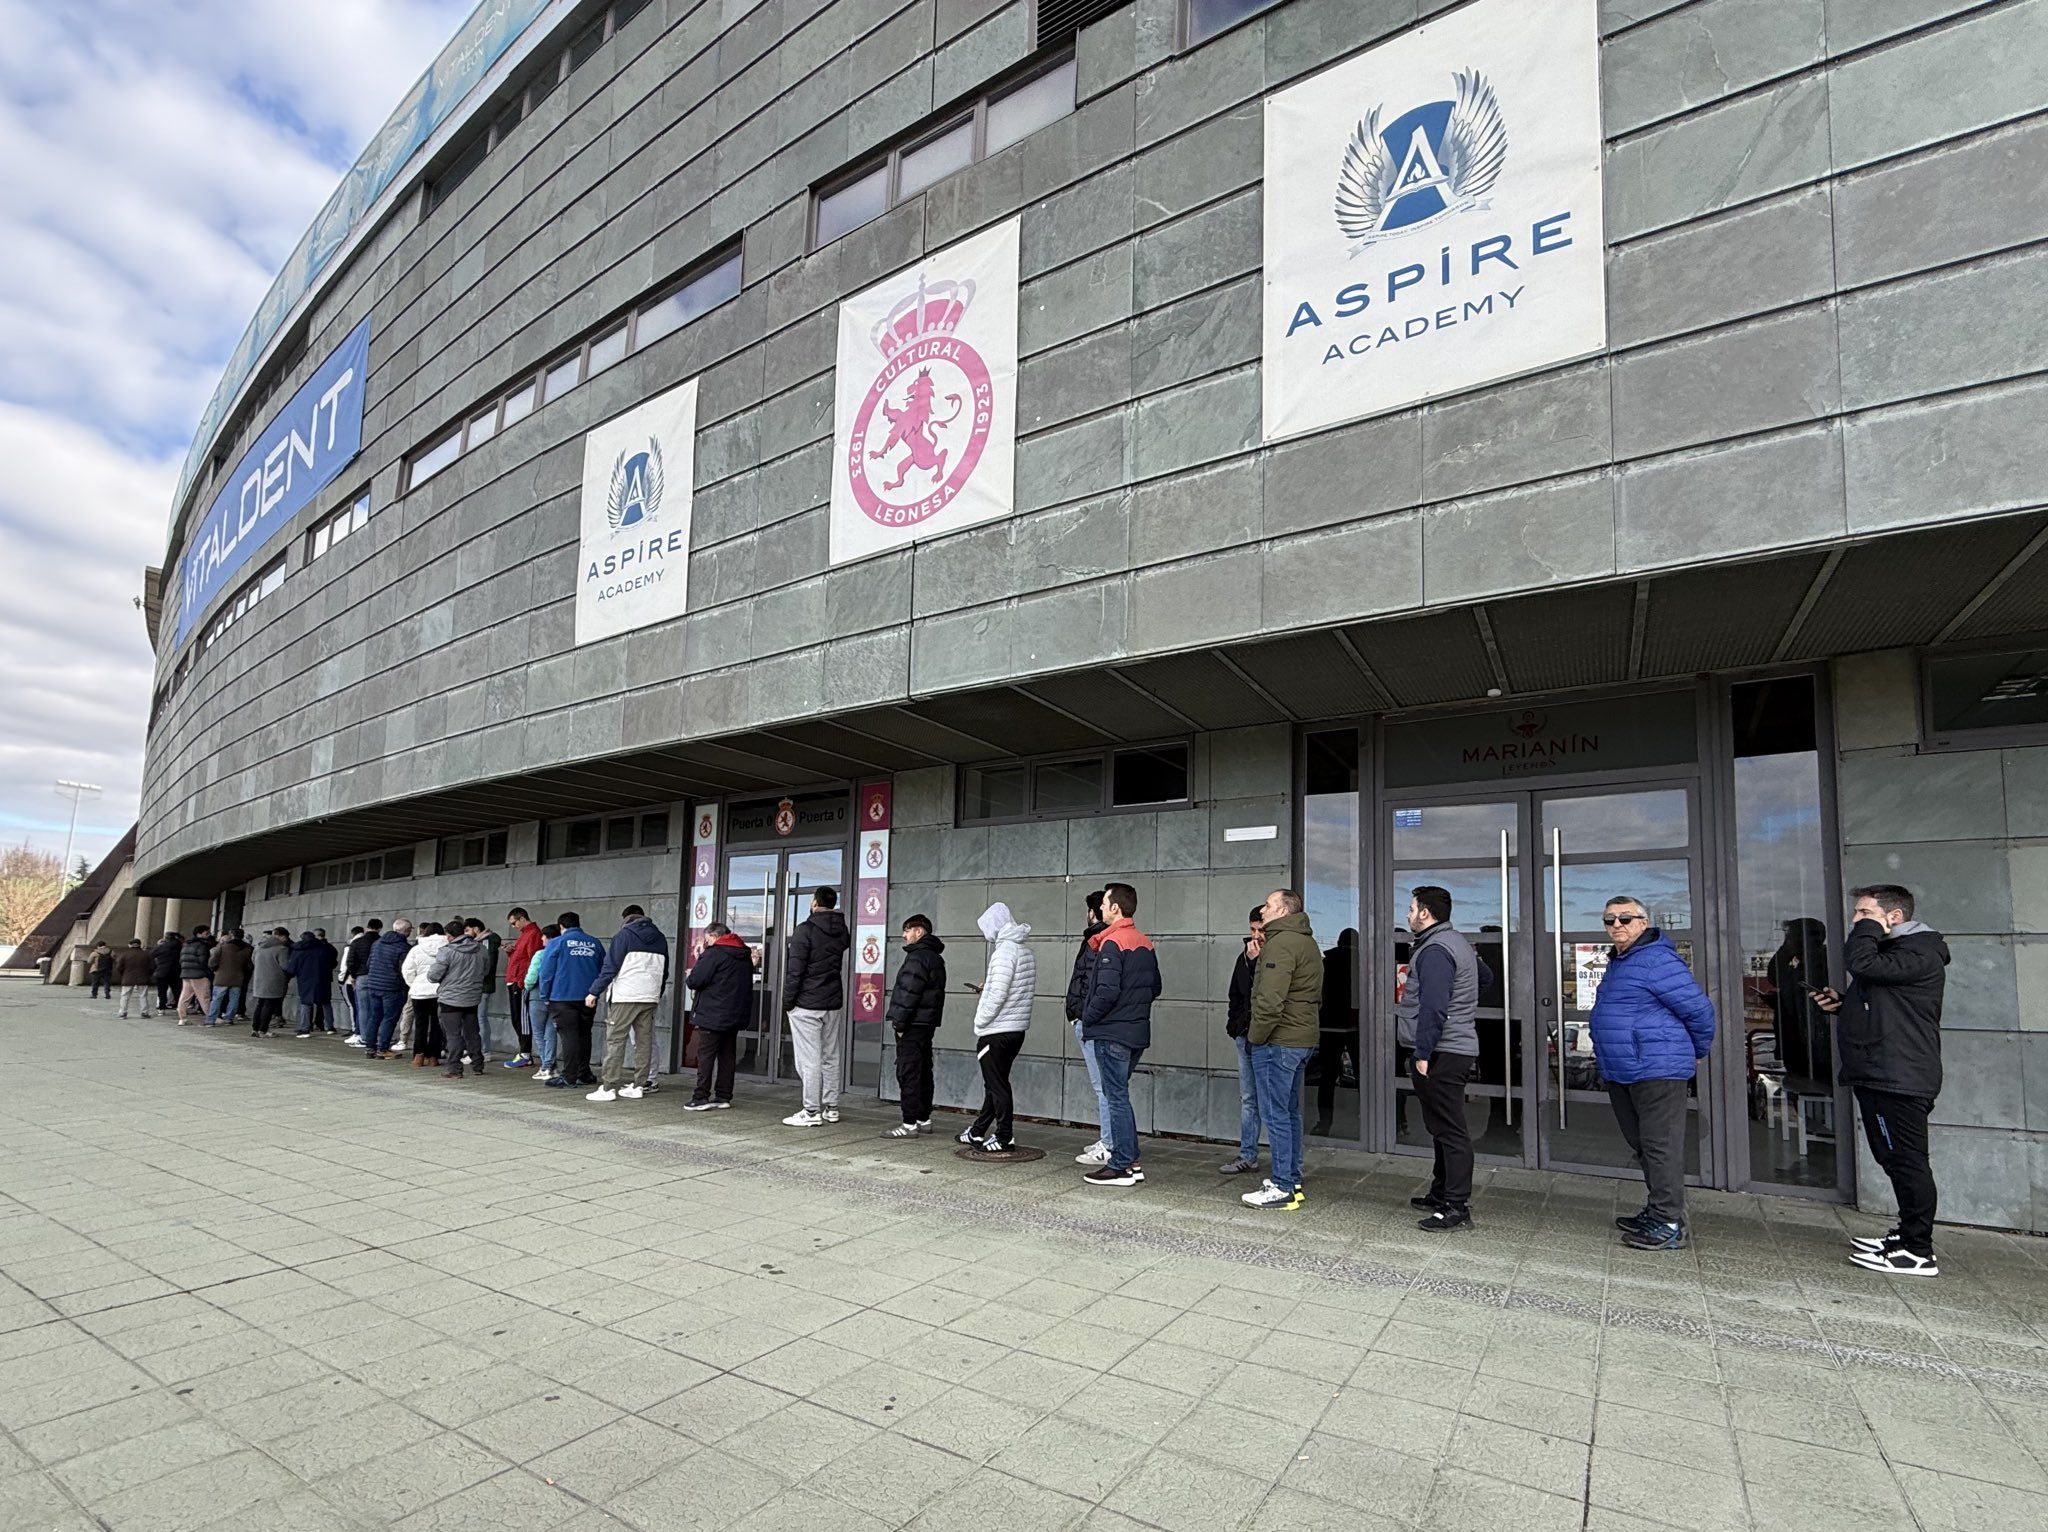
<point x="892" y="1478"/>
<point x="1184" y="1494"/>
<point x="192" y="1496"/>
<point x="1075" y="1459"/>
<point x="798" y="1440"/>
<point x="1362" y="1476"/>
<point x="992" y="1499"/>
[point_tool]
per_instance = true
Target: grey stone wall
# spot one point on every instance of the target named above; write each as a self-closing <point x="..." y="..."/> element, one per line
<point x="1193" y="891"/>
<point x="1824" y="322"/>
<point x="1967" y="831"/>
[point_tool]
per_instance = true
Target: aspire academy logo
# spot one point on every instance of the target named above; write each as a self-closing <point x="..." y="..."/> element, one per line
<point x="924" y="420"/>
<point x="1430" y="163"/>
<point x="634" y="499"/>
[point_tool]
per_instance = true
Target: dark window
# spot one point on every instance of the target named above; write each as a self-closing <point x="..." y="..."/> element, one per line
<point x="845" y="208"/>
<point x="581" y="838"/>
<point x="507" y="120"/>
<point x="618" y="835"/>
<point x="625" y="11"/>
<point x="544" y="83"/>
<point x="653" y="832"/>
<point x="993" y="792"/>
<point x="587" y="42"/>
<point x="1333" y="762"/>
<point x="278" y="886"/>
<point x="1149" y="776"/>
<point x="1208" y="17"/>
<point x="1067" y="787"/>
<point x="1986" y="695"/>
<point x="457" y="170"/>
<point x="398" y="864"/>
<point x="1059" y="20"/>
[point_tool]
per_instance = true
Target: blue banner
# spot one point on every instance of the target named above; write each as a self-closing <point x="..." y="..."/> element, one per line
<point x="306" y="444"/>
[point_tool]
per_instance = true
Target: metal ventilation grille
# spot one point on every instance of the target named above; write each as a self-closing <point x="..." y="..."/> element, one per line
<point x="1713" y="619"/>
<point x="1905" y="589"/>
<point x="1205" y="689"/>
<point x="1310" y="676"/>
<point x="1457" y="668"/>
<point x="1059" y="20"/>
<point x="1562" y="639"/>
<point x="2020" y="605"/>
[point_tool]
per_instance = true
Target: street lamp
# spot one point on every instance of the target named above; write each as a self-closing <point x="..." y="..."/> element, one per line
<point x="77" y="790"/>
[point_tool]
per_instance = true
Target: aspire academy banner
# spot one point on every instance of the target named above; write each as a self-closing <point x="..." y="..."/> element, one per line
<point x="633" y="559"/>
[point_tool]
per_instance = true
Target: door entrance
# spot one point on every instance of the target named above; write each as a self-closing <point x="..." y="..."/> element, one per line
<point x="767" y="895"/>
<point x="1529" y="873"/>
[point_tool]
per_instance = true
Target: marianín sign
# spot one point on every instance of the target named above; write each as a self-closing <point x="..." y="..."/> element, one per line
<point x="304" y="448"/>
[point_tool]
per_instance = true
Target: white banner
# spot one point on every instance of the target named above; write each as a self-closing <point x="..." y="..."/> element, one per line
<point x="1433" y="214"/>
<point x="924" y="425"/>
<point x="633" y="560"/>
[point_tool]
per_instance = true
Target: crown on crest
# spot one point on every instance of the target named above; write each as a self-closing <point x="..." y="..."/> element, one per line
<point x="936" y="308"/>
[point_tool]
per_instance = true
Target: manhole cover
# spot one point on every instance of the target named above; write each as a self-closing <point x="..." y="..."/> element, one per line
<point x="1019" y="1156"/>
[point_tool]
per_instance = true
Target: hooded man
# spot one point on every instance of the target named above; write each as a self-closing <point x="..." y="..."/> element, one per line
<point x="813" y="995"/>
<point x="635" y="973"/>
<point x="722" y="982"/>
<point x="917" y="1003"/>
<point x="230" y="963"/>
<point x="1888" y="1033"/>
<point x="1001" y="1017"/>
<point x="429" y="1044"/>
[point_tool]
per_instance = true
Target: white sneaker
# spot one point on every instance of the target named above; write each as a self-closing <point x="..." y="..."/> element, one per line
<point x="831" y="1114"/>
<point x="1267" y="1196"/>
<point x="631" y="1092"/>
<point x="356" y="1042"/>
<point x="542" y="1076"/>
<point x="1096" y="1153"/>
<point x="601" y="1094"/>
<point x="804" y="1119"/>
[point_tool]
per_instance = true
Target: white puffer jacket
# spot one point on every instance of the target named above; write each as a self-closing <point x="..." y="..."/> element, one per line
<point x="1012" y="975"/>
<point x="417" y="985"/>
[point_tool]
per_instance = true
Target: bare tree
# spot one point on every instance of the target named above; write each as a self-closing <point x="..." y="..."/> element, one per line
<point x="28" y="879"/>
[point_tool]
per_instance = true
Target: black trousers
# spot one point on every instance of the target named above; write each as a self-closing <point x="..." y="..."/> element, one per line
<point x="1896" y="1127"/>
<point x="166" y="993"/>
<point x="717" y="1055"/>
<point x="998" y="1051"/>
<point x="914" y="1073"/>
<point x="1441" y="1095"/>
<point x="572" y="1039"/>
<point x="427" y="1041"/>
<point x="516" y="993"/>
<point x="1651" y="1115"/>
<point x="266" y="1012"/>
<point x="464" y="1034"/>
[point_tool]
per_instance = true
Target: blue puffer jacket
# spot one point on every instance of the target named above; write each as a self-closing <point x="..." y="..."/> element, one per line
<point x="381" y="972"/>
<point x="1650" y="1020"/>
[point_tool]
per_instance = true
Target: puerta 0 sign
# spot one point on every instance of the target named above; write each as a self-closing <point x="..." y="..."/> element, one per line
<point x="1433" y="218"/>
<point x="924" y="428"/>
<point x="633" y="555"/>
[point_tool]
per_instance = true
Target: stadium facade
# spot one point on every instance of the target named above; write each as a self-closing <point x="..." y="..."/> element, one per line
<point x="976" y="449"/>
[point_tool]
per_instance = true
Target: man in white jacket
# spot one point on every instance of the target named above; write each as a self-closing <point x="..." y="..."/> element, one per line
<point x="1000" y="1020"/>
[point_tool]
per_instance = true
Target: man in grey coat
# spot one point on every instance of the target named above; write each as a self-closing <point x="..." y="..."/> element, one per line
<point x="461" y="969"/>
<point x="269" y="979"/>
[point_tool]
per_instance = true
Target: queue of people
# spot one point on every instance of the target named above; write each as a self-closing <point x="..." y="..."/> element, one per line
<point x="424" y="992"/>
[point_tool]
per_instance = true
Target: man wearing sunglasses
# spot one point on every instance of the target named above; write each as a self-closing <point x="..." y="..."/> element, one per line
<point x="1651" y="1025"/>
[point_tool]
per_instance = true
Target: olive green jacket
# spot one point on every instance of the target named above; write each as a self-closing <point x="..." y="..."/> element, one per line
<point x="1287" y="989"/>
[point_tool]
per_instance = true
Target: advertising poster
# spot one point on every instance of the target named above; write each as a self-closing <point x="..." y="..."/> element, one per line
<point x="633" y="551"/>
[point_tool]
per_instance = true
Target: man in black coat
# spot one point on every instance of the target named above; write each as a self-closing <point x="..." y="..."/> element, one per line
<point x="916" y="1005"/>
<point x="163" y="971"/>
<point x="1237" y="1025"/>
<point x="1092" y="926"/>
<point x="1888" y="1036"/>
<point x="813" y="994"/>
<point x="722" y="980"/>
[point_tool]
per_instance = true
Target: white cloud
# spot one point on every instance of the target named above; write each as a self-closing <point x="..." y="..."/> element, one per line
<point x="158" y="161"/>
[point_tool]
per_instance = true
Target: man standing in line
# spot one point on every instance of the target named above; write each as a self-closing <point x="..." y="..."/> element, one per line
<point x="1888" y="1033"/>
<point x="1092" y="926"/>
<point x="163" y="971"/>
<point x="571" y="976"/>
<point x="526" y="943"/>
<point x="722" y="980"/>
<point x="492" y="948"/>
<point x="381" y="989"/>
<point x="195" y="973"/>
<point x="459" y="971"/>
<point x="1116" y="1020"/>
<point x="269" y="979"/>
<point x="354" y="964"/>
<point x="1000" y="1021"/>
<point x="99" y="968"/>
<point x="1237" y="1025"/>
<point x="131" y="970"/>
<point x="1651" y="1025"/>
<point x="230" y="964"/>
<point x="1437" y="1017"/>
<point x="917" y="1003"/>
<point x="635" y="972"/>
<point x="348" y="989"/>
<point x="1287" y="999"/>
<point x="538" y="1021"/>
<point x="813" y="994"/>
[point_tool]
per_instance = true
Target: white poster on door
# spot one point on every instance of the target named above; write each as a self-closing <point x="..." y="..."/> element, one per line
<point x="924" y="426"/>
<point x="1589" y="967"/>
<point x="1433" y="214"/>
<point x="633" y="554"/>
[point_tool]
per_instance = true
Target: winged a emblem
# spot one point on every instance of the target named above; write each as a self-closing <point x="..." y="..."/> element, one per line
<point x="1443" y="158"/>
<point x="636" y="488"/>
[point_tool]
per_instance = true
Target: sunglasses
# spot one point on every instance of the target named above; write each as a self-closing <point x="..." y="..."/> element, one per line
<point x="1621" y="920"/>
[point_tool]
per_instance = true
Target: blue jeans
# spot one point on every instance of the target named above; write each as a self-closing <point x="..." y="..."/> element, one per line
<point x="1094" y="1083"/>
<point x="380" y="1010"/>
<point x="1115" y="1061"/>
<point x="1247" y="1103"/>
<point x="483" y="1017"/>
<point x="544" y="1038"/>
<point x="225" y="1003"/>
<point x="1279" y="1071"/>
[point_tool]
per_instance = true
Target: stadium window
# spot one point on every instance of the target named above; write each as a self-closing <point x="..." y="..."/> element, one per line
<point x="936" y="150"/>
<point x="586" y="44"/>
<point x="264" y="582"/>
<point x="507" y="120"/>
<point x="442" y="187"/>
<point x="566" y="839"/>
<point x="608" y="348"/>
<point x="329" y="532"/>
<point x="625" y="11"/>
<point x="432" y="458"/>
<point x="694" y="296"/>
<point x="561" y="376"/>
<point x="481" y="428"/>
<point x="653" y="832"/>
<point x="351" y="871"/>
<point x="278" y="885"/>
<point x="460" y="852"/>
<point x="1206" y="18"/>
<point x="1076" y="786"/>
<point x="519" y="403"/>
<point x="545" y="80"/>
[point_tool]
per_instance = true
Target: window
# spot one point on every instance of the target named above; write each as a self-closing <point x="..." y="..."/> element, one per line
<point x="362" y="869"/>
<point x="464" y="851"/>
<point x="507" y="120"/>
<point x="442" y="187"/>
<point x="432" y="458"/>
<point x="695" y="296"/>
<point x="1208" y="17"/>
<point x="937" y="150"/>
<point x="278" y="885"/>
<point x="481" y="428"/>
<point x="561" y="377"/>
<point x="1073" y="786"/>
<point x="608" y="348"/>
<point x="265" y="582"/>
<point x="519" y="403"/>
<point x="587" y="42"/>
<point x="622" y="833"/>
<point x="1987" y="696"/>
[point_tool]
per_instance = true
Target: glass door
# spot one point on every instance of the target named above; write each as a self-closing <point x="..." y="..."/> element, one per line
<point x="803" y="874"/>
<point x="767" y="896"/>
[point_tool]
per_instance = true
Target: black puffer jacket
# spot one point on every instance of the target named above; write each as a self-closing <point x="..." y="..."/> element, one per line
<point x="811" y="979"/>
<point x="163" y="959"/>
<point x="919" y="998"/>
<point x="195" y="958"/>
<point x="1084" y="965"/>
<point x="1888" y="1031"/>
<point x="1238" y="1016"/>
<point x="723" y="980"/>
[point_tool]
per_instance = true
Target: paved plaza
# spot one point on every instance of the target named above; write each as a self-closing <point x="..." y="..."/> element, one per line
<point x="275" y="1287"/>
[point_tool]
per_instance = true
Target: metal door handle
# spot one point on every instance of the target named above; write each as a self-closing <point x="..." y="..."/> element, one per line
<point x="1507" y="989"/>
<point x="1557" y="952"/>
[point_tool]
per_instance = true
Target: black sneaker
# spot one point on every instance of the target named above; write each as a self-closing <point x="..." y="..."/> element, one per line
<point x="1444" y="1220"/>
<point x="1654" y="1234"/>
<point x="1633" y="1221"/>
<point x="1428" y="1202"/>
<point x="1104" y="1176"/>
<point x="1897" y="1261"/>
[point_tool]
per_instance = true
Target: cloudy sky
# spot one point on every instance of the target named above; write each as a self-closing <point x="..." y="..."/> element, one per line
<point x="158" y="161"/>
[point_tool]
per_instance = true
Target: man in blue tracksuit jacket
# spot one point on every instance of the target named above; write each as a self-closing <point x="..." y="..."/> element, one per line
<point x="1651" y="1026"/>
<point x="571" y="974"/>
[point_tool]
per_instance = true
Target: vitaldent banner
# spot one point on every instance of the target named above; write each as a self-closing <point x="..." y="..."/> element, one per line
<point x="633" y="560"/>
<point x="925" y="420"/>
<point x="300" y="452"/>
<point x="1433" y="214"/>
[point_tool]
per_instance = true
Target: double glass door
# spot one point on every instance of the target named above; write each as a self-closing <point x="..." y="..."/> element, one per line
<point x="767" y="896"/>
<point x="1529" y="874"/>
